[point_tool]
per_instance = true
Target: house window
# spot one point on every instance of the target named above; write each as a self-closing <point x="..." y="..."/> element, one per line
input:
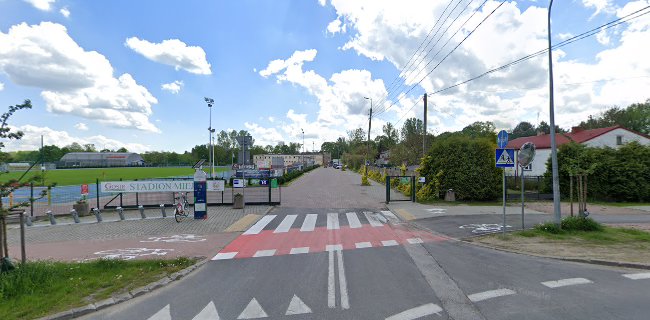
<point x="619" y="140"/>
<point x="529" y="167"/>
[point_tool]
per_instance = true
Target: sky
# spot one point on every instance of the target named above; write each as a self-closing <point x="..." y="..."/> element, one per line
<point x="134" y="74"/>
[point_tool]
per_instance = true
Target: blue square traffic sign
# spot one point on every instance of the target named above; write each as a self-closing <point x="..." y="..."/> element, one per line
<point x="505" y="158"/>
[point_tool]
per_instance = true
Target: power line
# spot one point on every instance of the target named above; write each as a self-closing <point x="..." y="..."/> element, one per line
<point x="452" y="50"/>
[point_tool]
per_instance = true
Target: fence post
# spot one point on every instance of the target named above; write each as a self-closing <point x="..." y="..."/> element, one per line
<point x="269" y="183"/>
<point x="412" y="188"/>
<point x="121" y="197"/>
<point x="97" y="192"/>
<point x="137" y="199"/>
<point x="31" y="201"/>
<point x="387" y="189"/>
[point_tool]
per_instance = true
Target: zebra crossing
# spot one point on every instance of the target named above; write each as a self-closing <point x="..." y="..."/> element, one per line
<point x="292" y="234"/>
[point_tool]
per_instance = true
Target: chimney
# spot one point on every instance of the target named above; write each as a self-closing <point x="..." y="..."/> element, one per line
<point x="576" y="129"/>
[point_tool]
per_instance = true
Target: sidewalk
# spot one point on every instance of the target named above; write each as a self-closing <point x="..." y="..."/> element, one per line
<point x="154" y="236"/>
<point x="413" y="211"/>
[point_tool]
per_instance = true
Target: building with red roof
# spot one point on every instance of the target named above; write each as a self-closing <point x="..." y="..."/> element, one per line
<point x="612" y="137"/>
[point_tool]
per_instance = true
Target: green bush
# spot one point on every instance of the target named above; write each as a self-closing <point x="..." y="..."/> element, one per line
<point x="549" y="227"/>
<point x="581" y="224"/>
<point x="468" y="167"/>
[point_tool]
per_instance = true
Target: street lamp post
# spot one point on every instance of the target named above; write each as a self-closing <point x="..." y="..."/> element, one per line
<point x="210" y="102"/>
<point x="303" y="148"/>
<point x="369" y="127"/>
<point x="554" y="164"/>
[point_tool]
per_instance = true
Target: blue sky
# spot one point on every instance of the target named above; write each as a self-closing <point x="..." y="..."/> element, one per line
<point x="134" y="73"/>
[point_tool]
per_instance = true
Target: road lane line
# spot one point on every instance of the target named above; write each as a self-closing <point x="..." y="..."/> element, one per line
<point x="390" y="216"/>
<point x="566" y="282"/>
<point x="389" y="243"/>
<point x="333" y="221"/>
<point x="637" y="276"/>
<point x="310" y="223"/>
<point x="353" y="220"/>
<point x="208" y="313"/>
<point x="264" y="253"/>
<point x="331" y="287"/>
<point x="163" y="314"/>
<point x="361" y="245"/>
<point x="476" y="297"/>
<point x="286" y="223"/>
<point x="225" y="255"/>
<point x="373" y="219"/>
<point x="414" y="240"/>
<point x="299" y="250"/>
<point x="343" y="285"/>
<point x="333" y="247"/>
<point x="259" y="226"/>
<point x="417" y="312"/>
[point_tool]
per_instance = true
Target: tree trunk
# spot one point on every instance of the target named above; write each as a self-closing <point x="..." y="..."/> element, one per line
<point x="571" y="193"/>
<point x="584" y="206"/>
<point x="2" y="251"/>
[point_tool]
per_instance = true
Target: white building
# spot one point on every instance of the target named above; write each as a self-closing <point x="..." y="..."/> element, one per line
<point x="613" y="137"/>
<point x="310" y="158"/>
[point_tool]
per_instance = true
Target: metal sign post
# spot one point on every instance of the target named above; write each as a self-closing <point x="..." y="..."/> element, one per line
<point x="504" y="159"/>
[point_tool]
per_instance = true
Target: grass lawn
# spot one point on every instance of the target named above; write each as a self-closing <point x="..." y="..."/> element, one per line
<point x="65" y="177"/>
<point x="41" y="288"/>
<point x="609" y="235"/>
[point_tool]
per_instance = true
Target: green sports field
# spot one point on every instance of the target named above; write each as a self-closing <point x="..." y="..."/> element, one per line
<point x="65" y="177"/>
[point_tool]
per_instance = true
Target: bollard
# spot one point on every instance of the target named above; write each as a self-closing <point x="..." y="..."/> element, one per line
<point x="141" y="208"/>
<point x="51" y="215"/>
<point x="98" y="214"/>
<point x="120" y="211"/>
<point x="75" y="215"/>
<point x="28" y="221"/>
<point x="162" y="210"/>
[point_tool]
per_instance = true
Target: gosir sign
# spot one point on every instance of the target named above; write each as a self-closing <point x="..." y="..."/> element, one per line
<point x="157" y="186"/>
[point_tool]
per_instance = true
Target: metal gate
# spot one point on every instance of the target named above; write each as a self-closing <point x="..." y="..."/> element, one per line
<point x="400" y="188"/>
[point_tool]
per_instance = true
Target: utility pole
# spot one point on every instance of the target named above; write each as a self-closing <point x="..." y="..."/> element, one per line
<point x="303" y="148"/>
<point x="369" y="127"/>
<point x="554" y="165"/>
<point x="424" y="134"/>
<point x="210" y="102"/>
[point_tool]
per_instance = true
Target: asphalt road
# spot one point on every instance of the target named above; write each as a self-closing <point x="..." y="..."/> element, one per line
<point x="348" y="262"/>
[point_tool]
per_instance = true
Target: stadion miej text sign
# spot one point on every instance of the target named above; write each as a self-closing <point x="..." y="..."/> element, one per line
<point x="157" y="186"/>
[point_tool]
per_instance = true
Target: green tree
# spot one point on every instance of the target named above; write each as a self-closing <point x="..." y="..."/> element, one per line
<point x="478" y="129"/>
<point x="122" y="149"/>
<point x="523" y="129"/>
<point x="635" y="117"/>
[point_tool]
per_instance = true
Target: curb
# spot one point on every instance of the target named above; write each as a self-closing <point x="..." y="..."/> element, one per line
<point x="579" y="260"/>
<point x="103" y="304"/>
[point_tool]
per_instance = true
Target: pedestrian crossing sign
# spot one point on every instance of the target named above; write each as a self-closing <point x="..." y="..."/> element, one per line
<point x="505" y="158"/>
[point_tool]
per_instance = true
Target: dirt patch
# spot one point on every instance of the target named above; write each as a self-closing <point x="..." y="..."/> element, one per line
<point x="572" y="248"/>
<point x="547" y="207"/>
<point x="638" y="226"/>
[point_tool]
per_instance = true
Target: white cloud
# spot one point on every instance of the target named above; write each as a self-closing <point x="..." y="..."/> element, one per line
<point x="174" y="87"/>
<point x="336" y="26"/>
<point x="271" y="119"/>
<point x="32" y="140"/>
<point x="564" y="36"/>
<point x="44" y="5"/>
<point x="2" y="86"/>
<point x="174" y="53"/>
<point x="322" y="2"/>
<point x="605" y="6"/>
<point x="81" y="126"/>
<point x="65" y="12"/>
<point x="602" y="37"/>
<point x="74" y="81"/>
<point x="263" y="136"/>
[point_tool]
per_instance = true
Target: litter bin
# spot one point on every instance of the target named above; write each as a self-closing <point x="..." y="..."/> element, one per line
<point x="450" y="195"/>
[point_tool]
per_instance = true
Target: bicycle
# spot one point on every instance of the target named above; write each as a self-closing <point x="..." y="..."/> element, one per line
<point x="181" y="207"/>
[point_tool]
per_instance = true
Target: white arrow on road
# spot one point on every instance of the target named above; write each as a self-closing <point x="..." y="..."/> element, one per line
<point x="253" y="311"/>
<point x="208" y="313"/>
<point x="296" y="306"/>
<point x="163" y="314"/>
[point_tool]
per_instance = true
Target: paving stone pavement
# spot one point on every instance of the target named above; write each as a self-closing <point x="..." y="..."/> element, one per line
<point x="219" y="218"/>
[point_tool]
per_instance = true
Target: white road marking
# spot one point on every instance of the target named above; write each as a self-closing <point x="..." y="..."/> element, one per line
<point x="333" y="221"/>
<point x="437" y="210"/>
<point x="390" y="216"/>
<point x="414" y="240"/>
<point x="353" y="220"/>
<point x="296" y="306"/>
<point x="286" y="223"/>
<point x="388" y="243"/>
<point x="208" y="313"/>
<point x="343" y="286"/>
<point x="372" y="218"/>
<point x="637" y="276"/>
<point x="310" y="223"/>
<point x="253" y="311"/>
<point x="566" y="282"/>
<point x="259" y="226"/>
<point x="333" y="247"/>
<point x="417" y="312"/>
<point x="299" y="250"/>
<point x="361" y="245"/>
<point x="264" y="253"/>
<point x="163" y="314"/>
<point x="225" y="255"/>
<point x="476" y="297"/>
<point x="331" y="286"/>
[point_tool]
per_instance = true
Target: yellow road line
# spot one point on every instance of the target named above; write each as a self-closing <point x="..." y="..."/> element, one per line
<point x="244" y="223"/>
<point x="404" y="214"/>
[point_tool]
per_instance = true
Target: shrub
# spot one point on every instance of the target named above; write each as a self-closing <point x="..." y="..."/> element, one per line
<point x="548" y="227"/>
<point x="364" y="180"/>
<point x="581" y="224"/>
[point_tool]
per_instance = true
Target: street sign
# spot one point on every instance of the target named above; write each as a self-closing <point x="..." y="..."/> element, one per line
<point x="502" y="139"/>
<point x="264" y="182"/>
<point x="238" y="183"/>
<point x="505" y="158"/>
<point x="422" y="179"/>
<point x="200" y="194"/>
